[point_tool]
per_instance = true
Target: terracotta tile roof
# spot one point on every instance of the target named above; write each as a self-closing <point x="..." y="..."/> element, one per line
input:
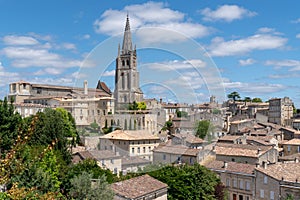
<point x="103" y="154"/>
<point x="189" y="138"/>
<point x="231" y="167"/>
<point x="230" y="138"/>
<point x="294" y="141"/>
<point x="138" y="186"/>
<point x="134" y="160"/>
<point x="244" y="150"/>
<point x="130" y="135"/>
<point x="290" y="157"/>
<point x="287" y="171"/>
<point x="177" y="149"/>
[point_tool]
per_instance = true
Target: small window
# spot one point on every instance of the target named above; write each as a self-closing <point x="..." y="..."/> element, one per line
<point x="144" y="149"/>
<point x="265" y="180"/>
<point x="164" y="157"/>
<point x="227" y="182"/>
<point x="272" y="195"/>
<point x="262" y="193"/>
<point x="112" y="161"/>
<point x="132" y="150"/>
<point x="248" y="185"/>
<point x="234" y="183"/>
<point x="288" y="148"/>
<point x="139" y="150"/>
<point x="241" y="184"/>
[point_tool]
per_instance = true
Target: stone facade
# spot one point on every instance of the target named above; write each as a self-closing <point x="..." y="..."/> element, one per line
<point x="127" y="88"/>
<point x="281" y="111"/>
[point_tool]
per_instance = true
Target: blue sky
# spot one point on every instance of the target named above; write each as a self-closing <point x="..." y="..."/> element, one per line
<point x="186" y="51"/>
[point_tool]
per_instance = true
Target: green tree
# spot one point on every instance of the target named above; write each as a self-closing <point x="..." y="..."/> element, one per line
<point x="141" y="105"/>
<point x="94" y="126"/>
<point x="82" y="188"/>
<point x="90" y="166"/>
<point x="181" y="114"/>
<point x="50" y="128"/>
<point x="203" y="128"/>
<point x="289" y="197"/>
<point x="234" y="96"/>
<point x="257" y="100"/>
<point x="133" y="106"/>
<point x="188" y="182"/>
<point x="10" y="124"/>
<point x="247" y="99"/>
<point x="168" y="126"/>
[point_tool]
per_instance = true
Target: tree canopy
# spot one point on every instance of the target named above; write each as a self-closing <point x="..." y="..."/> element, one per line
<point x="203" y="128"/>
<point x="234" y="96"/>
<point x="188" y="182"/>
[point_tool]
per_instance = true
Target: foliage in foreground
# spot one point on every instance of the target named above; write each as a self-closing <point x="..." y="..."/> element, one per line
<point x="189" y="182"/>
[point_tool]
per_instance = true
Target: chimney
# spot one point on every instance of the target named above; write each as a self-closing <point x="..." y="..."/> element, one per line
<point x="258" y="151"/>
<point x="85" y="87"/>
<point x="225" y="165"/>
<point x="296" y="160"/>
<point x="265" y="165"/>
<point x="257" y="165"/>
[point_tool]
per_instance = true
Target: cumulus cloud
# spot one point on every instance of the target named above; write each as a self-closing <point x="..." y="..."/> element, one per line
<point x="27" y="51"/>
<point x="293" y="64"/>
<point x="254" y="88"/>
<point x="220" y="47"/>
<point x="177" y="65"/>
<point x="6" y="76"/>
<point x="154" y="15"/>
<point x="248" y="61"/>
<point x="109" y="73"/>
<point x="226" y="13"/>
<point x="19" y="40"/>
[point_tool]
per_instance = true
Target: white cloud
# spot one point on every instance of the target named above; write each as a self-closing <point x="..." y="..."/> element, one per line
<point x="27" y="51"/>
<point x="69" y="46"/>
<point x="284" y="76"/>
<point x="248" y="61"/>
<point x="86" y="36"/>
<point x="109" y="73"/>
<point x="296" y="21"/>
<point x="254" y="88"/>
<point x="294" y="64"/>
<point x="298" y="35"/>
<point x="219" y="47"/>
<point x="49" y="71"/>
<point x="226" y="13"/>
<point x="177" y="65"/>
<point x="150" y="15"/>
<point x="19" y="40"/>
<point x="7" y="77"/>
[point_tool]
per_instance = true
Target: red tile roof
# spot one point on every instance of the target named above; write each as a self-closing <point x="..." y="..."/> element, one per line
<point x="138" y="186"/>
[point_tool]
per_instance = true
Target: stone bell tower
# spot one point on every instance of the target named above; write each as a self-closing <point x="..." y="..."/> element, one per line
<point x="127" y="84"/>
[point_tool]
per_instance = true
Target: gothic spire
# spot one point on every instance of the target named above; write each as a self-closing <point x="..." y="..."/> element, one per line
<point x="127" y="43"/>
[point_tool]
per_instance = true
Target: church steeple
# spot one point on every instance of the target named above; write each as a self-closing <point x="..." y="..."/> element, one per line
<point x="127" y="42"/>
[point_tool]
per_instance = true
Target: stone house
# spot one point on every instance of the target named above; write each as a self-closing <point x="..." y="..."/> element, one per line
<point x="168" y="154"/>
<point x="188" y="140"/>
<point x="277" y="181"/>
<point x="130" y="143"/>
<point x="239" y="178"/>
<point x="143" y="187"/>
<point x="246" y="153"/>
<point x="291" y="147"/>
<point x="105" y="159"/>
